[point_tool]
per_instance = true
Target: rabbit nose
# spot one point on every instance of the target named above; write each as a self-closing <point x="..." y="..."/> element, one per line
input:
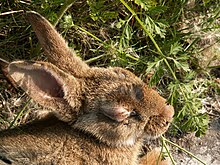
<point x="168" y="112"/>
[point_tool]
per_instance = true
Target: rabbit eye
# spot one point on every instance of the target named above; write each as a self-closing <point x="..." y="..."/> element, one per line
<point x="133" y="113"/>
<point x="136" y="115"/>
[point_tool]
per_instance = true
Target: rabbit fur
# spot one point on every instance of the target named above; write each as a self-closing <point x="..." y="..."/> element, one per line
<point x="99" y="115"/>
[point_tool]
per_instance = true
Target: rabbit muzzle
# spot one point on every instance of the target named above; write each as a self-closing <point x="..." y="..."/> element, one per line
<point x="158" y="124"/>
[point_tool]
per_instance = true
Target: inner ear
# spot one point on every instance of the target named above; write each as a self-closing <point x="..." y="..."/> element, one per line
<point x="47" y="83"/>
<point x="38" y="79"/>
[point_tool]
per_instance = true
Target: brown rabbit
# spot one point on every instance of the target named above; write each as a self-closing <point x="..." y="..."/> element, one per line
<point x="99" y="115"/>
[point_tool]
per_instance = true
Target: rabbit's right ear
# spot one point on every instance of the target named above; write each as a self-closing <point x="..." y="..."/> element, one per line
<point x="46" y="84"/>
<point x="55" y="46"/>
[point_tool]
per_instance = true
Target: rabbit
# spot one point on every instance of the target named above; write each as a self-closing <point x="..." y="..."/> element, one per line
<point x="98" y="115"/>
<point x="154" y="158"/>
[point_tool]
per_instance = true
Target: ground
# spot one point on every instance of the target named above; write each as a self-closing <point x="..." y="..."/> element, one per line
<point x="206" y="148"/>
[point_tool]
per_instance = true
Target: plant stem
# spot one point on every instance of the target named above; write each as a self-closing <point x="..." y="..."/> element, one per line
<point x="184" y="150"/>
<point x="62" y="10"/>
<point x="171" y="70"/>
<point x="143" y="26"/>
<point x="106" y="45"/>
<point x="167" y="150"/>
<point x="150" y="36"/>
<point x="90" y="34"/>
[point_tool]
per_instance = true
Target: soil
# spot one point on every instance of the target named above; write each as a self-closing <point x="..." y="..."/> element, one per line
<point x="206" y="148"/>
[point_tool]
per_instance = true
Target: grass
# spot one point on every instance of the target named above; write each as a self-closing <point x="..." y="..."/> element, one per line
<point x="163" y="42"/>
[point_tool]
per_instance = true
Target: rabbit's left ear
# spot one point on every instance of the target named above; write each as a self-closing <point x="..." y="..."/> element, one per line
<point x="45" y="83"/>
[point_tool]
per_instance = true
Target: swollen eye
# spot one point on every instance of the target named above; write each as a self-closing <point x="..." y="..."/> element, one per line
<point x="136" y="115"/>
<point x="133" y="113"/>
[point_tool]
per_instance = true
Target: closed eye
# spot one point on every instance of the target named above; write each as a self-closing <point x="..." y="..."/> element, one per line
<point x="135" y="115"/>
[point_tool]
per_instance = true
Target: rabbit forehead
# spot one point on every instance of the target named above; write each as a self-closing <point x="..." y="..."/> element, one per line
<point x="132" y="97"/>
<point x="119" y="92"/>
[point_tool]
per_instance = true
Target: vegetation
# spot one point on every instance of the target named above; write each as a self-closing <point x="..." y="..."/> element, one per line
<point x="162" y="41"/>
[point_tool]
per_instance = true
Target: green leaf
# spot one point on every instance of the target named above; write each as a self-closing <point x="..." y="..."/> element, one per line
<point x="100" y="11"/>
<point x="175" y="48"/>
<point x="120" y="23"/>
<point x="145" y="4"/>
<point x="181" y="65"/>
<point x="152" y="65"/>
<point x="128" y="33"/>
<point x="67" y="23"/>
<point x="154" y="27"/>
<point x="156" y="10"/>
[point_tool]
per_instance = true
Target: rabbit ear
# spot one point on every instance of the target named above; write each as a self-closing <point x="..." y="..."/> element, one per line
<point x="4" y="67"/>
<point x="45" y="83"/>
<point x="36" y="79"/>
<point x="55" y="46"/>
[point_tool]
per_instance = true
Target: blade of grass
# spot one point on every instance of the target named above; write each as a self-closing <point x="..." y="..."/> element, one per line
<point x="105" y="44"/>
<point x="183" y="149"/>
<point x="19" y="114"/>
<point x="11" y="12"/>
<point x="94" y="58"/>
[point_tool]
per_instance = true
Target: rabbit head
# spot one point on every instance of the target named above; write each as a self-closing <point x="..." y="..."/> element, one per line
<point x="111" y="104"/>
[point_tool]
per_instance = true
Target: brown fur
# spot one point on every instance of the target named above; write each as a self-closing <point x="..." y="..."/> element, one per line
<point x="154" y="158"/>
<point x="102" y="114"/>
